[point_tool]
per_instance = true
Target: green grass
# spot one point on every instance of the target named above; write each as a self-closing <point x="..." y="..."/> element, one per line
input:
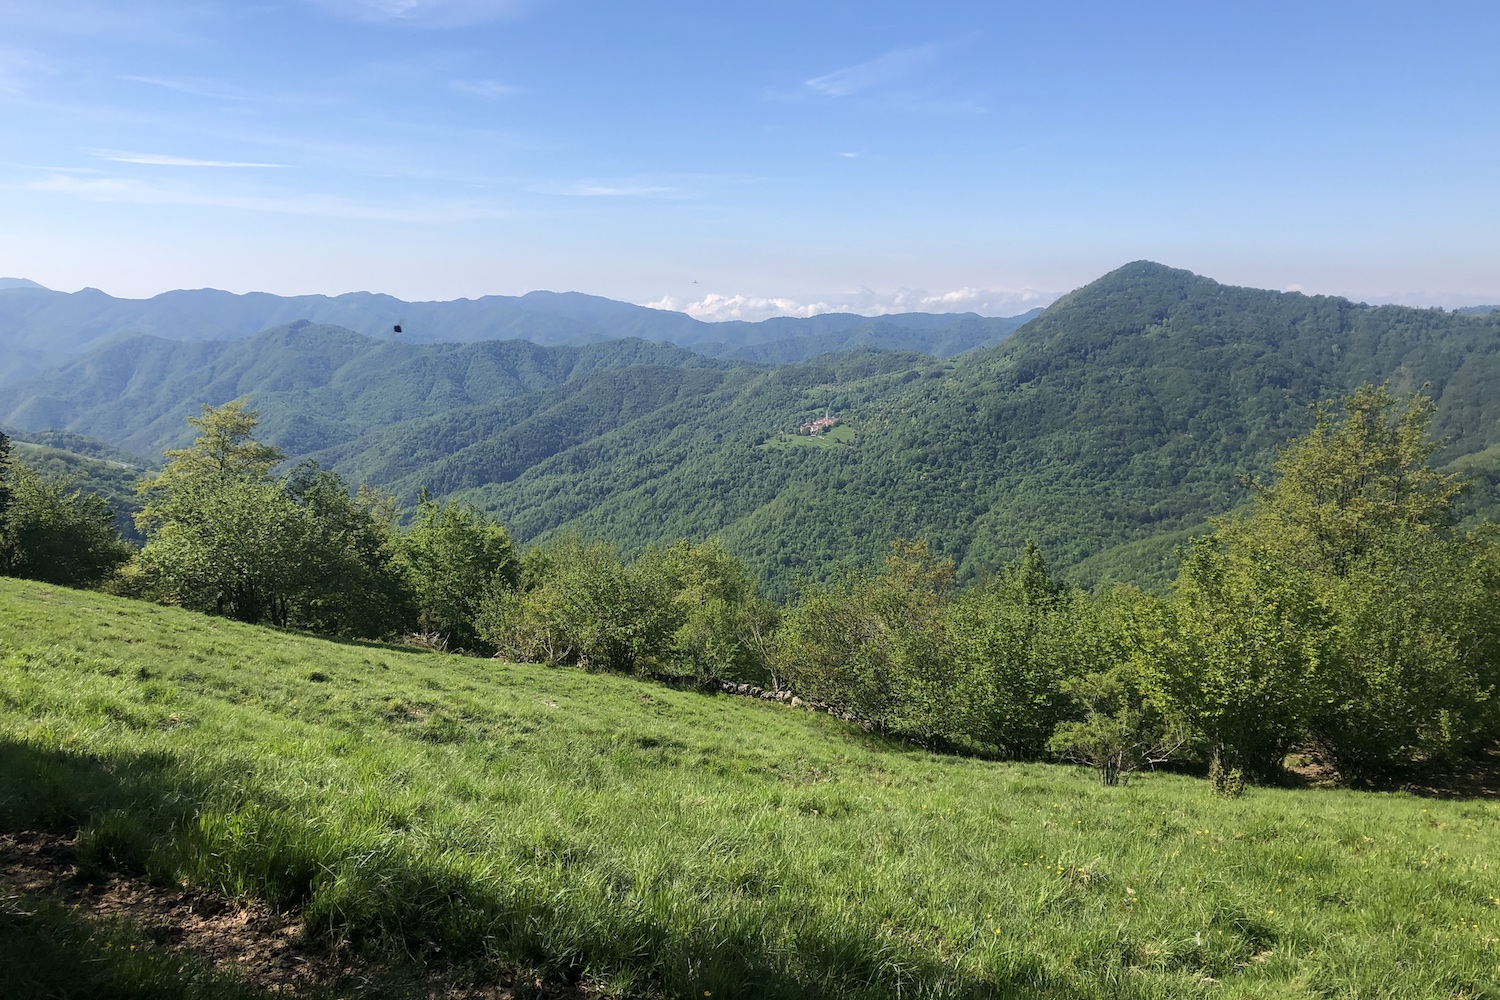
<point x="834" y="437"/>
<point x="652" y="841"/>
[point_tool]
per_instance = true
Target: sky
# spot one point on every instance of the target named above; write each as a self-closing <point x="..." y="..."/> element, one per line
<point x="742" y="160"/>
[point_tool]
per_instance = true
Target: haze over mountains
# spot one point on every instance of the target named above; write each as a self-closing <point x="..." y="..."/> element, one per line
<point x="40" y="328"/>
<point x="1108" y="428"/>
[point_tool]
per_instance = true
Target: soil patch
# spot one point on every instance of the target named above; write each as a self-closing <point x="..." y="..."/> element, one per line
<point x="1476" y="777"/>
<point x="264" y="946"/>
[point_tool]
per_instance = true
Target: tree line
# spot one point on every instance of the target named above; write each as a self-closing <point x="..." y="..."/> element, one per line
<point x="1341" y="610"/>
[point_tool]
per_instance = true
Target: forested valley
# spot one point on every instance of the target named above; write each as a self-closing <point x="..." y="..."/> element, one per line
<point x="1161" y="502"/>
<point x="1108" y="430"/>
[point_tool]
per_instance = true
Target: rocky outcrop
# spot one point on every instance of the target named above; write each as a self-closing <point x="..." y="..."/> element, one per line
<point x="752" y="691"/>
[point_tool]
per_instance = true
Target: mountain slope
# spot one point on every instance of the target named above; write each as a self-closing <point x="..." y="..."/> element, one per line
<point x="1121" y="414"/>
<point x="315" y="385"/>
<point x="953" y="335"/>
<point x="1108" y="428"/>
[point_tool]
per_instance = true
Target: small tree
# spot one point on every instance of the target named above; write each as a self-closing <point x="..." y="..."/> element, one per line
<point x="224" y="452"/>
<point x="1343" y="609"/>
<point x="1236" y="651"/>
<point x="221" y="536"/>
<point x="1122" y="729"/>
<point x="349" y="581"/>
<point x="238" y="549"/>
<point x="1410" y="611"/>
<point x="583" y="606"/>
<point x="55" y="533"/>
<point x="1356" y="484"/>
<point x="723" y="626"/>
<point x="454" y="555"/>
<point x="1012" y="645"/>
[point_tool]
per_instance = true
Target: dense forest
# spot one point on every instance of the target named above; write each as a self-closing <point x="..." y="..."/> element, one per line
<point x="1109" y="429"/>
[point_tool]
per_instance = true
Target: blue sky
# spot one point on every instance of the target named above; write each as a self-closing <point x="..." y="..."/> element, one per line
<point x="749" y="159"/>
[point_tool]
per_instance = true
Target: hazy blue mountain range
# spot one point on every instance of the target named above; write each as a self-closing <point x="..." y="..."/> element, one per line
<point x="40" y="328"/>
<point x="1108" y="428"/>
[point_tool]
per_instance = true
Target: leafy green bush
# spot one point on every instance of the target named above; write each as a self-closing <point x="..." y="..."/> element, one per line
<point x="587" y="609"/>
<point x="982" y="670"/>
<point x="453" y="556"/>
<point x="52" y="532"/>
<point x="686" y="610"/>
<point x="1235" y="651"/>
<point x="1122" y="729"/>
<point x="224" y="536"/>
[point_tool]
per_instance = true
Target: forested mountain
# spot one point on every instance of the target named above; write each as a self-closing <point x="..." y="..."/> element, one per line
<point x="1119" y="417"/>
<point x="40" y="327"/>
<point x="939" y="336"/>
<point x="1108" y="428"/>
<point x="315" y="385"/>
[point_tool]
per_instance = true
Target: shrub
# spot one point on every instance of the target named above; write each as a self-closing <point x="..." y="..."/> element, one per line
<point x="52" y="532"/>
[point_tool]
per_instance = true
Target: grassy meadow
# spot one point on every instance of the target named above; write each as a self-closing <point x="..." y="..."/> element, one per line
<point x="640" y="840"/>
<point x="842" y="434"/>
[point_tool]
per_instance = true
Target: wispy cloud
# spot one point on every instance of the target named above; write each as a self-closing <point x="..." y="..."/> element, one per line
<point x="426" y="13"/>
<point x="18" y="68"/>
<point x="617" y="191"/>
<point x="877" y="72"/>
<point x="618" y="188"/>
<point x="216" y="91"/>
<point x="490" y="90"/>
<point x="163" y="160"/>
<point x="715" y="307"/>
<point x="197" y="88"/>
<point x="128" y="190"/>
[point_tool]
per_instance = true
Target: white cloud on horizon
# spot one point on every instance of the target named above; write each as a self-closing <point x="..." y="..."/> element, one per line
<point x="715" y="307"/>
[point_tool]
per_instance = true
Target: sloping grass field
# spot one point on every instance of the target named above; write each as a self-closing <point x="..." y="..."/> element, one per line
<point x="637" y="840"/>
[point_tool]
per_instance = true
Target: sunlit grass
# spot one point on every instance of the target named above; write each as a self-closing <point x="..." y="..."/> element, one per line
<point x="843" y="434"/>
<point x="648" y="840"/>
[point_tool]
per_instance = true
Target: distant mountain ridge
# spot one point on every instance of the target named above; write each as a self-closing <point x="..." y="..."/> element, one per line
<point x="1108" y="428"/>
<point x="41" y="328"/>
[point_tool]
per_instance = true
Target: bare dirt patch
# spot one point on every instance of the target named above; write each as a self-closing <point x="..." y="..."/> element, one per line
<point x="266" y="947"/>
<point x="1477" y="777"/>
